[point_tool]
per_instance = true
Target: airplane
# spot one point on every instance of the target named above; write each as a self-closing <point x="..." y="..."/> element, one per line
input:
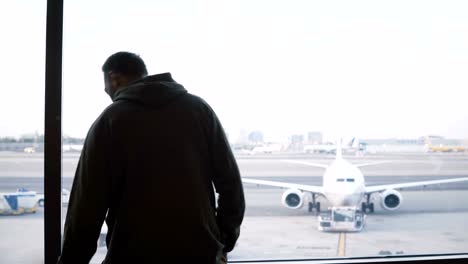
<point x="344" y="185"/>
<point x="267" y="148"/>
<point x="72" y="148"/>
<point x="354" y="146"/>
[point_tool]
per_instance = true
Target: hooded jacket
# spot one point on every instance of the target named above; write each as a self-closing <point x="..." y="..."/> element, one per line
<point x="148" y="168"/>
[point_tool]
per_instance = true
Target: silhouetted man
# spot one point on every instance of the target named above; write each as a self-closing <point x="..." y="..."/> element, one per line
<point x="148" y="167"/>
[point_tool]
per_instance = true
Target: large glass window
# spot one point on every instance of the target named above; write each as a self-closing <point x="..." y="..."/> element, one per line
<point x="297" y="85"/>
<point x="22" y="67"/>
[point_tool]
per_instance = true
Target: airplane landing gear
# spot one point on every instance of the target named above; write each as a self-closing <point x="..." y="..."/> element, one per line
<point x="314" y="205"/>
<point x="367" y="205"/>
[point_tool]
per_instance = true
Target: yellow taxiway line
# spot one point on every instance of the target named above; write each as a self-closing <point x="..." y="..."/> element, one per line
<point x="342" y="244"/>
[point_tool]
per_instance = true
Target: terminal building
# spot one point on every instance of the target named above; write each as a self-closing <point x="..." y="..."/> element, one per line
<point x="314" y="137"/>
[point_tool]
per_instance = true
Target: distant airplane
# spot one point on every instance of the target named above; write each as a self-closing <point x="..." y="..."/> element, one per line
<point x="354" y="146"/>
<point x="266" y="149"/>
<point x="343" y="185"/>
<point x="72" y="148"/>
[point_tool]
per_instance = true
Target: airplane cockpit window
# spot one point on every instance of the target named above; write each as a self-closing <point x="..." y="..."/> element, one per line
<point x="350" y="180"/>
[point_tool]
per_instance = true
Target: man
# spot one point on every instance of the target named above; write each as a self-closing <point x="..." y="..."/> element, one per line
<point x="148" y="167"/>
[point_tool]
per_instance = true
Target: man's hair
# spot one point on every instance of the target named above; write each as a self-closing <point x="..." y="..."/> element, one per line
<point x="125" y="63"/>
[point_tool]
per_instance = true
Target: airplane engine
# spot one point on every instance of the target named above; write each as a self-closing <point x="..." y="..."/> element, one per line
<point x="293" y="199"/>
<point x="390" y="200"/>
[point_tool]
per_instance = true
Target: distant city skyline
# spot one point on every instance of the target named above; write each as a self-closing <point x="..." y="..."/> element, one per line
<point x="233" y="138"/>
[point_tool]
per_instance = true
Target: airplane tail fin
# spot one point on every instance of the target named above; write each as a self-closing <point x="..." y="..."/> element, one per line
<point x="354" y="143"/>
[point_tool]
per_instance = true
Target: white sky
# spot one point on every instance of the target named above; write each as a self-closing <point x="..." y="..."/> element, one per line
<point x="371" y="69"/>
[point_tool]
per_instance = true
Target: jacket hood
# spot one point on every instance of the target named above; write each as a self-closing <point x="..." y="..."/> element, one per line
<point x="154" y="90"/>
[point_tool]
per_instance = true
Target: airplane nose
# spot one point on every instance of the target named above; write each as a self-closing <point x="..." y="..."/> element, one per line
<point x="343" y="202"/>
<point x="346" y="199"/>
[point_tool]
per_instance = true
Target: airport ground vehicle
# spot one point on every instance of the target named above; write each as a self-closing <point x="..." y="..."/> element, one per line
<point x="19" y="202"/>
<point x="24" y="201"/>
<point x="443" y="148"/>
<point x="341" y="218"/>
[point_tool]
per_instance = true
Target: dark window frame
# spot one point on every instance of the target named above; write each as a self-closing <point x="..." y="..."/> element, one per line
<point x="53" y="132"/>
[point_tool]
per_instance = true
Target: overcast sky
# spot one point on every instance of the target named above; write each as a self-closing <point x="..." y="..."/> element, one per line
<point x="371" y="69"/>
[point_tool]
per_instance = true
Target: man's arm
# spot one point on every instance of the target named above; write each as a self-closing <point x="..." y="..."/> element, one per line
<point x="89" y="197"/>
<point x="228" y="184"/>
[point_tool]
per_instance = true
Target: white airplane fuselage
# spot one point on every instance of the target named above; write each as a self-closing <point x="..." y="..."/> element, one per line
<point x="343" y="184"/>
<point x="344" y="188"/>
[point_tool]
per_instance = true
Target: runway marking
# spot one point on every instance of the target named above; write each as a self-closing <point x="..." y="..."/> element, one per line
<point x="342" y="244"/>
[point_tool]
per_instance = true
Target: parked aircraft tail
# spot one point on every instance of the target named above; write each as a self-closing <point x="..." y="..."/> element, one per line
<point x="354" y="143"/>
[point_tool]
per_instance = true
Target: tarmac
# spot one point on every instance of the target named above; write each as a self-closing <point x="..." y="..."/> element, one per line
<point x="431" y="220"/>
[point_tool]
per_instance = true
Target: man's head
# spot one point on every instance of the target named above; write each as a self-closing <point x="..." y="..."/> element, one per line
<point x="120" y="69"/>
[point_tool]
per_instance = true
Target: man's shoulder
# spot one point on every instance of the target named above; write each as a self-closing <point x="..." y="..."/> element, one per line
<point x="194" y="98"/>
<point x="109" y="113"/>
<point x="197" y="102"/>
<point x="115" y="108"/>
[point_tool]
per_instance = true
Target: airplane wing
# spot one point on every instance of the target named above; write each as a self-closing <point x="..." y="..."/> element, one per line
<point x="302" y="187"/>
<point x="379" y="188"/>
<point x="370" y="164"/>
<point x="306" y="163"/>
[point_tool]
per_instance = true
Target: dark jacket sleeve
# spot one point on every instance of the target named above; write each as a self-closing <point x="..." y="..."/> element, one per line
<point x="228" y="184"/>
<point x="89" y="197"/>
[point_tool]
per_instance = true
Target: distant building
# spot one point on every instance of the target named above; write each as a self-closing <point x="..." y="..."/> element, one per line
<point x="243" y="138"/>
<point x="314" y="137"/>
<point x="297" y="143"/>
<point x="394" y="141"/>
<point x="297" y="139"/>
<point x="256" y="137"/>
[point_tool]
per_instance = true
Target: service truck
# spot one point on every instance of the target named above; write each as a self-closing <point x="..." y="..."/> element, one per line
<point x="341" y="218"/>
<point x="19" y="202"/>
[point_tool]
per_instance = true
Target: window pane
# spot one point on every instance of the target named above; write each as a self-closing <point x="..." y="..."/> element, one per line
<point x="291" y="79"/>
<point x="21" y="131"/>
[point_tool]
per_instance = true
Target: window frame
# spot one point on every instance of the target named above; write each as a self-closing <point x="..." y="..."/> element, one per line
<point x="53" y="132"/>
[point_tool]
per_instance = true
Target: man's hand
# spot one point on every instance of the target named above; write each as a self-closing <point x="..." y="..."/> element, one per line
<point x="223" y="259"/>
